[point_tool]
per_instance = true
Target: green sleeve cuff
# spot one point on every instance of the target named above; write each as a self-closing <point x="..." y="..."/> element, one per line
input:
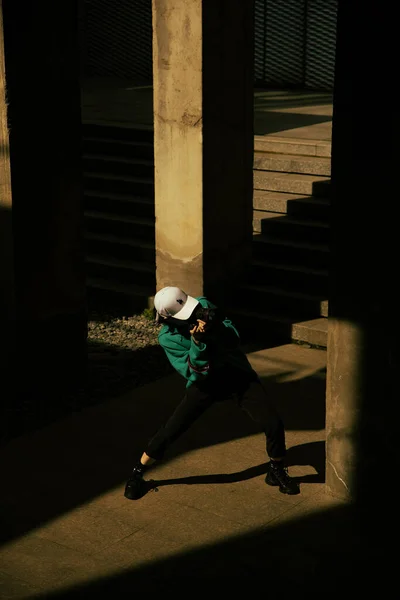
<point x="197" y="349"/>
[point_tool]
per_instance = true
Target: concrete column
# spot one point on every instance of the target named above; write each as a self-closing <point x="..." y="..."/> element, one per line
<point x="203" y="141"/>
<point x="6" y="237"/>
<point x="362" y="395"/>
<point x="7" y="295"/>
<point x="43" y="86"/>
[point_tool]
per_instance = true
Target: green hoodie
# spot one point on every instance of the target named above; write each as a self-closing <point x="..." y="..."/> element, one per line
<point x="195" y="361"/>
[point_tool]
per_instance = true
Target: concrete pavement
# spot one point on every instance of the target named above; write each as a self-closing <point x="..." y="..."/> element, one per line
<point x="67" y="530"/>
<point x="298" y="114"/>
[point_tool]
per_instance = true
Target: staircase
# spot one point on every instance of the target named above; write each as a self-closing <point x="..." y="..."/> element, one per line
<point x="288" y="277"/>
<point x="118" y="169"/>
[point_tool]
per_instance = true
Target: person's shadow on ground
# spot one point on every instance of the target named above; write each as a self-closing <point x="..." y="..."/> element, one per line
<point x="312" y="454"/>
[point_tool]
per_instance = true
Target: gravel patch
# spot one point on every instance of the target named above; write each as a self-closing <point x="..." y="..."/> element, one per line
<point x="124" y="353"/>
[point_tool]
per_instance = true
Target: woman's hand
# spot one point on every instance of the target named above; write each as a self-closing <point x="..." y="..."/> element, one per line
<point x="198" y="331"/>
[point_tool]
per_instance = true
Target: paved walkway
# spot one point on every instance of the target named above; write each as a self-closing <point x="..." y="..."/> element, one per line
<point x="294" y="114"/>
<point x="67" y="530"/>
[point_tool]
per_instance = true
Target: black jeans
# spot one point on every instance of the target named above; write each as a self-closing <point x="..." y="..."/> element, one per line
<point x="224" y="384"/>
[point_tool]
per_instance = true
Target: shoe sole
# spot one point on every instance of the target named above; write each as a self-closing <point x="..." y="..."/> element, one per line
<point x="289" y="493"/>
<point x="281" y="489"/>
<point x="132" y="496"/>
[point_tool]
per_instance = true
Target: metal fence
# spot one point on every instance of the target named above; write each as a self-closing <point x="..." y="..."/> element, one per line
<point x="294" y="41"/>
<point x="117" y="39"/>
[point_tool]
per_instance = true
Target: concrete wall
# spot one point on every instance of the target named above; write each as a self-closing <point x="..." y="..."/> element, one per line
<point x="6" y="240"/>
<point x="42" y="73"/>
<point x="7" y="297"/>
<point x="363" y="354"/>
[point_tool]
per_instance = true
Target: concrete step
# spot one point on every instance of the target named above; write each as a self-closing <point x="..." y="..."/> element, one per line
<point x="314" y="332"/>
<point x="106" y="182"/>
<point x="290" y="228"/>
<point x="271" y="329"/>
<point x="118" y="147"/>
<point x="135" y="228"/>
<point x="279" y="301"/>
<point x="287" y="145"/>
<point x="118" y="165"/>
<point x="121" y="204"/>
<point x="291" y="278"/>
<point x="135" y="133"/>
<point x="126" y="272"/>
<point x="294" y="183"/>
<point x="289" y="252"/>
<point x="292" y="205"/>
<point x="122" y="298"/>
<point x="119" y="247"/>
<point x="286" y="163"/>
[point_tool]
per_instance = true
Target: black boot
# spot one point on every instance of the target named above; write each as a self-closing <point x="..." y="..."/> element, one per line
<point x="277" y="474"/>
<point x="135" y="487"/>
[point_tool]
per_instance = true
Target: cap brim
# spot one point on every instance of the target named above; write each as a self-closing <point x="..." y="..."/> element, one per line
<point x="187" y="310"/>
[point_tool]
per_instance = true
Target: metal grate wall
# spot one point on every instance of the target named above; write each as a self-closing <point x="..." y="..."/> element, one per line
<point x="294" y="41"/>
<point x="320" y="44"/>
<point x="117" y="39"/>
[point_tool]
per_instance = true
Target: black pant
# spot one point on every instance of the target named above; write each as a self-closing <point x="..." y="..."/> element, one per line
<point x="223" y="384"/>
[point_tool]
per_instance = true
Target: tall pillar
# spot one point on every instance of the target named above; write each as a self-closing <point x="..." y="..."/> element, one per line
<point x="7" y="297"/>
<point x="362" y="395"/>
<point x="43" y="93"/>
<point x="203" y="142"/>
<point x="6" y="238"/>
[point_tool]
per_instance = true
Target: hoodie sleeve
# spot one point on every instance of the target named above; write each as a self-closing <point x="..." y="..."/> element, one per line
<point x="187" y="358"/>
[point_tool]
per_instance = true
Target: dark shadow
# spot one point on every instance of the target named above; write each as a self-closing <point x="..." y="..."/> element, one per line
<point x="289" y="266"/>
<point x="312" y="454"/>
<point x="94" y="442"/>
<point x="5" y="151"/>
<point x="7" y="311"/>
<point x="314" y="108"/>
<point x="298" y="556"/>
<point x="110" y="102"/>
<point x="110" y="372"/>
<point x="300" y="402"/>
<point x="219" y="478"/>
<point x="287" y="98"/>
<point x="271" y="122"/>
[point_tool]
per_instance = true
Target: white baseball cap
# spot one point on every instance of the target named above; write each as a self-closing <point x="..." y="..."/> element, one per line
<point x="174" y="302"/>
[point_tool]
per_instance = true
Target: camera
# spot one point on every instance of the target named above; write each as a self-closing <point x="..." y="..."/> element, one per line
<point x="208" y="315"/>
